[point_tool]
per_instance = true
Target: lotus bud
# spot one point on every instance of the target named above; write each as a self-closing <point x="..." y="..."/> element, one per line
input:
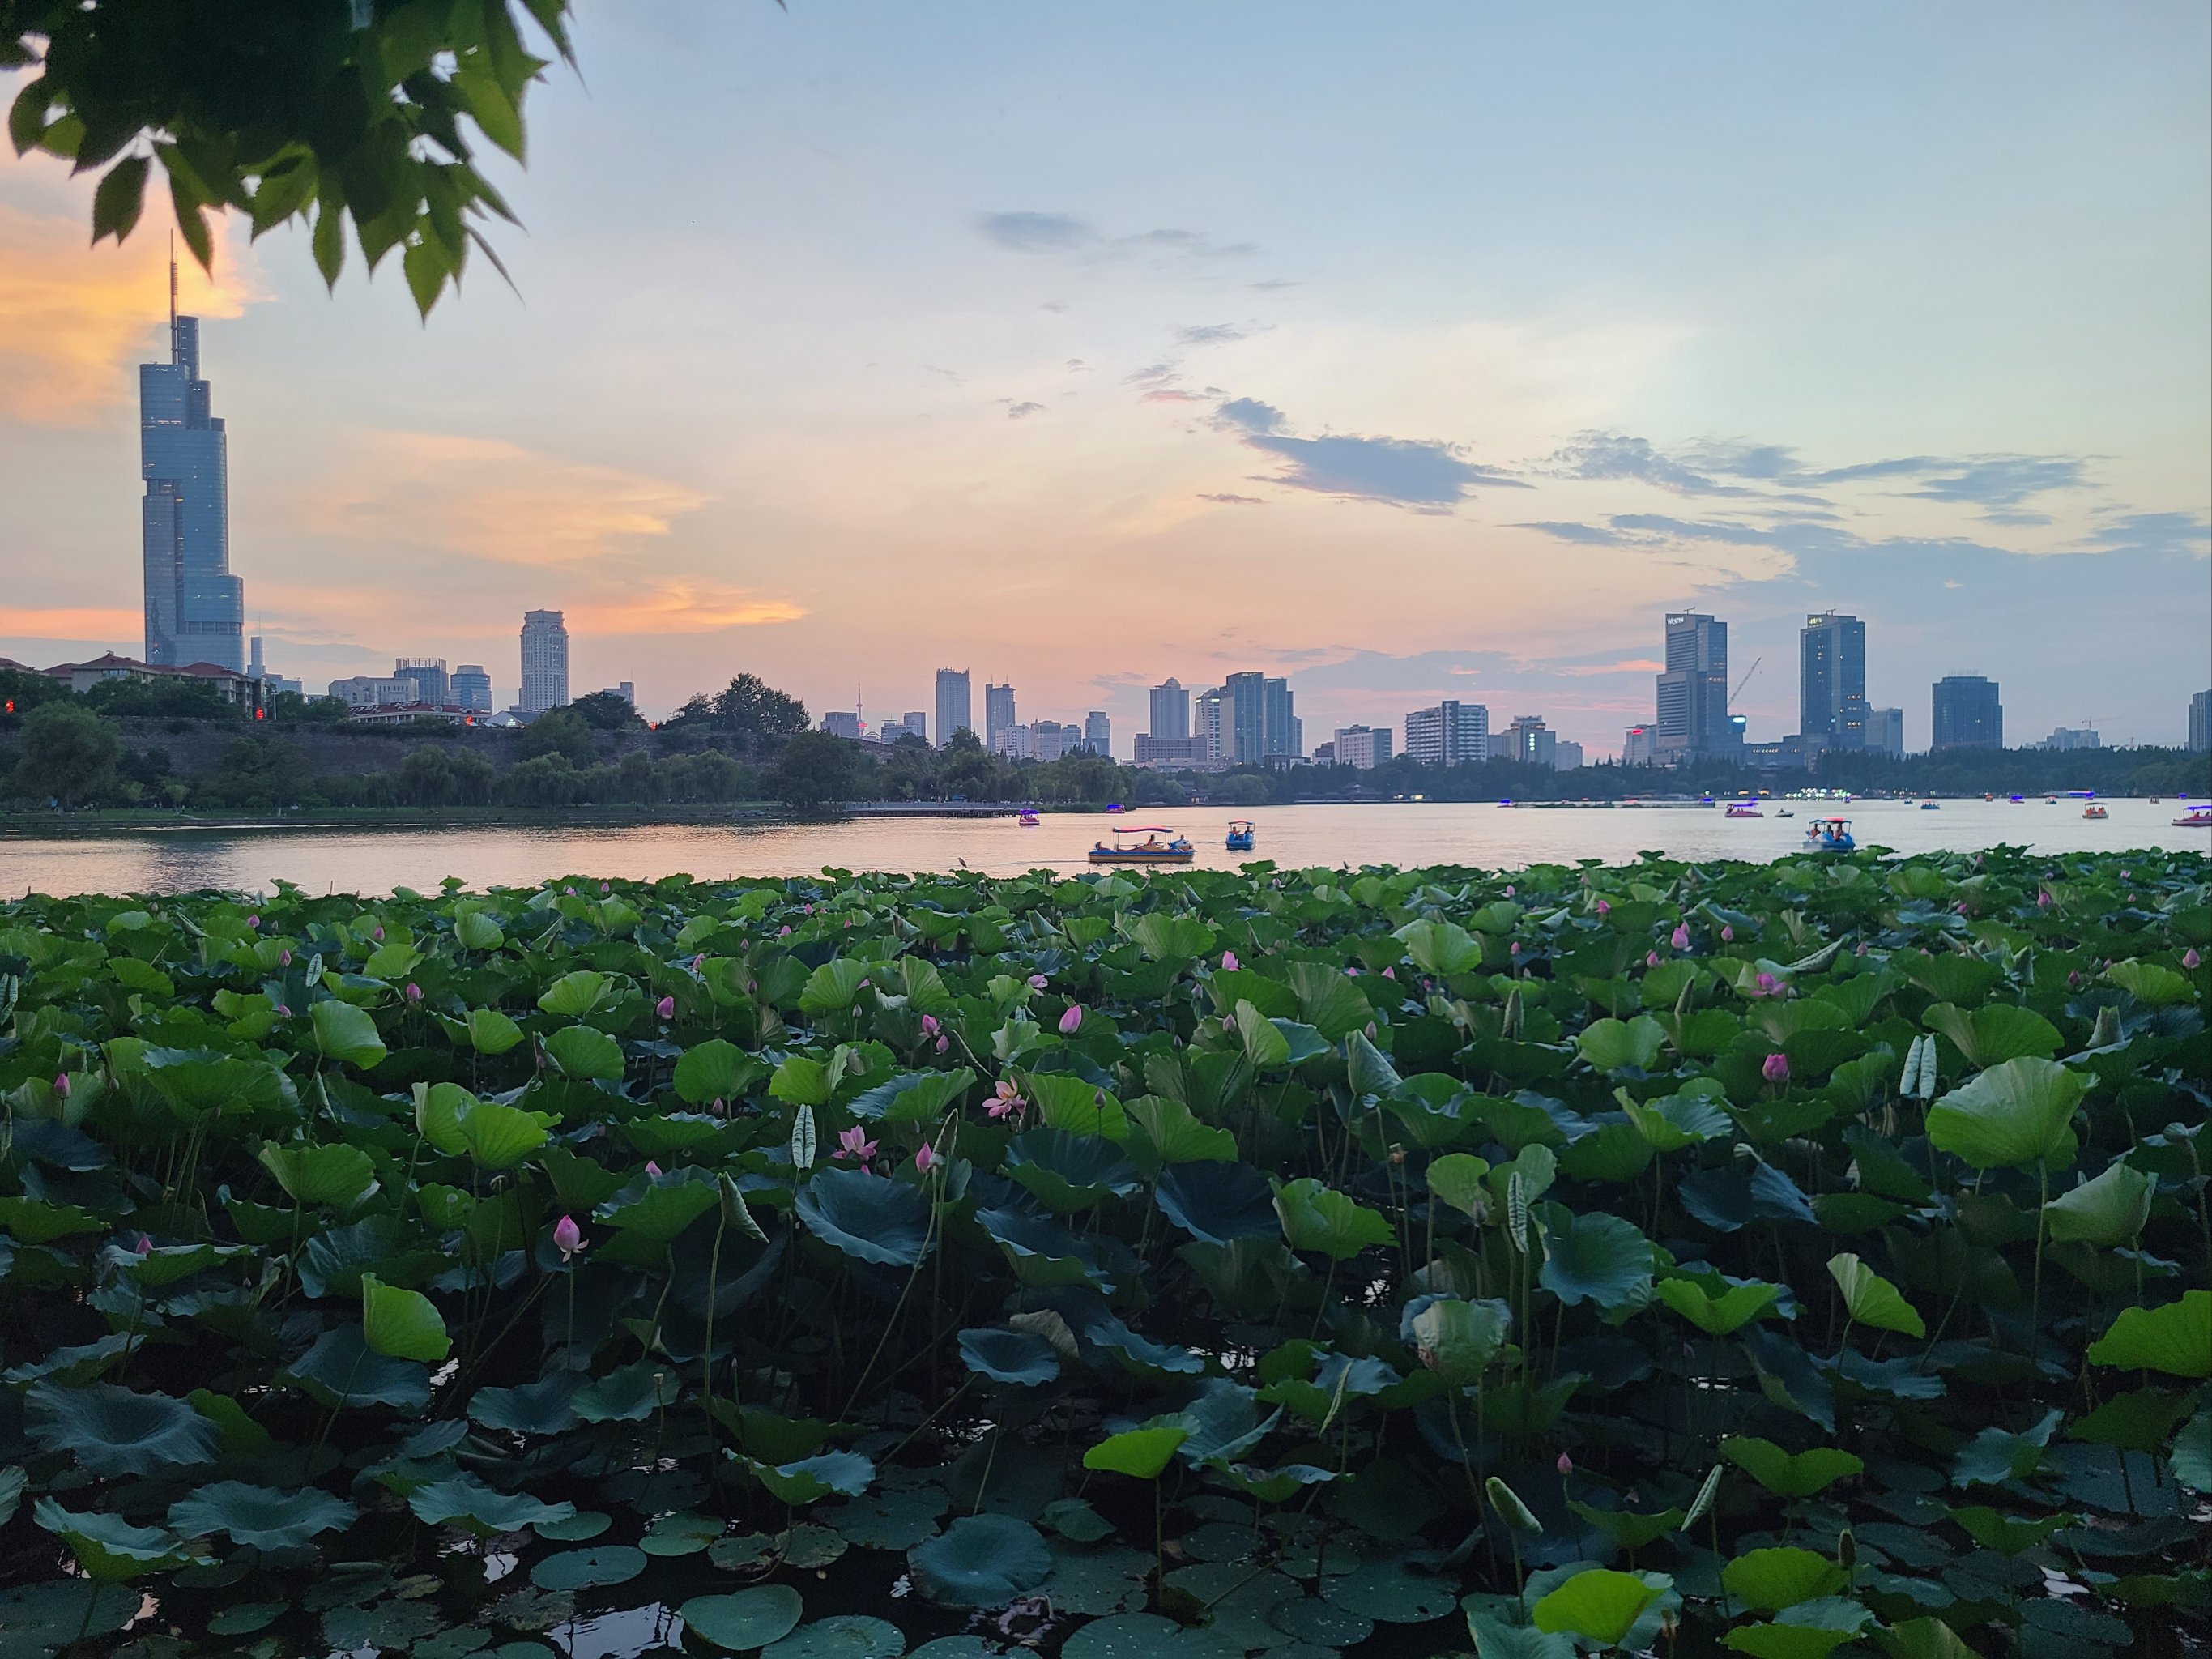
<point x="1728" y="933"/>
<point x="1565" y="1465"/>
<point x="1680" y="937"/>
<point x="1389" y="973"/>
<point x="253" y="922"/>
<point x="650" y="1168"/>
<point x="665" y="1008"/>
<point x="567" y="1237"/>
<point x="143" y="1246"/>
<point x="284" y="959"/>
<point x="1861" y="950"/>
<point x="943" y="1043"/>
<point x="720" y="1108"/>
<point x="1651" y="959"/>
<point x="282" y="1011"/>
<point x="1767" y="985"/>
<point x="2191" y="960"/>
<point x="414" y="991"/>
<point x="1229" y="960"/>
<point x="1776" y="1069"/>
<point x="377" y="935"/>
<point x="61" y="1086"/>
<point x="1604" y="908"/>
<point x="1036" y="981"/>
<point x="926" y="1158"/>
<point x="1352" y="972"/>
<point x="1508" y="890"/>
<point x="782" y="931"/>
<point x="603" y="887"/>
<point x="929" y="1026"/>
<point x="1371" y="1030"/>
<point x="1071" y="1021"/>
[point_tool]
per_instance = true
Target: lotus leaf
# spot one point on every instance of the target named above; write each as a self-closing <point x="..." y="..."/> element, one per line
<point x="866" y="1216"/>
<point x="337" y="1175"/>
<point x="1598" y="1604"/>
<point x="259" y="1515"/>
<point x="347" y="1033"/>
<point x="1786" y="1474"/>
<point x="1317" y="1218"/>
<point x="1870" y="1299"/>
<point x="1218" y="1202"/>
<point x="1598" y="1258"/>
<point x="340" y="1369"/>
<point x="402" y="1324"/>
<point x="2013" y="1113"/>
<point x="747" y="1620"/>
<point x="465" y="1502"/>
<point x="1781" y="1577"/>
<point x="585" y="1053"/>
<point x="114" y="1430"/>
<point x="1141" y="1453"/>
<point x="606" y="1564"/>
<point x="842" y="1636"/>
<point x="109" y="1548"/>
<point x="491" y="1032"/>
<point x="2109" y="1209"/>
<point x="1718" y="1314"/>
<point x="980" y="1561"/>
<point x="808" y="1479"/>
<point x="2176" y="1339"/>
<point x="1020" y="1358"/>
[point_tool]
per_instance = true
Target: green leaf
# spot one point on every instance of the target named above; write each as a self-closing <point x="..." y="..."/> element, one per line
<point x="1165" y="937"/>
<point x="476" y="930"/>
<point x="1870" y="1299"/>
<point x="1996" y="1456"/>
<point x="744" y="1620"/>
<point x="1722" y="1315"/>
<point x="1630" y="1530"/>
<point x="715" y="1070"/>
<point x="120" y="199"/>
<point x="1440" y="947"/>
<point x="981" y="1561"/>
<point x="800" y="1080"/>
<point x="1141" y="1453"/>
<point x="2176" y="1339"/>
<point x="340" y="1177"/>
<point x="2012" y="1114"/>
<point x="1370" y="1072"/>
<point x="810" y="1480"/>
<point x="2005" y="1534"/>
<point x="573" y="995"/>
<point x="467" y="1502"/>
<point x="438" y="1110"/>
<point x="112" y="1430"/>
<point x="868" y="1217"/>
<point x="109" y="1548"/>
<point x="1994" y="1032"/>
<point x="1781" y="1577"/>
<point x="1457" y="1179"/>
<point x="2108" y="1209"/>
<point x="1070" y="1103"/>
<point x="1265" y="1045"/>
<point x="1786" y="1476"/>
<point x="1318" y="1217"/>
<point x="491" y="1032"/>
<point x="1598" y="1258"/>
<point x="586" y="1053"/>
<point x="262" y="1516"/>
<point x="402" y="1324"/>
<point x="1599" y="1603"/>
<point x="2149" y="983"/>
<point x="1331" y="1003"/>
<point x="1458" y="1339"/>
<point x="1809" y="1630"/>
<point x="347" y="1033"/>
<point x="499" y="1137"/>
<point x="1611" y="1045"/>
<point x="1168" y="1132"/>
<point x="832" y="987"/>
<point x="1494" y="1640"/>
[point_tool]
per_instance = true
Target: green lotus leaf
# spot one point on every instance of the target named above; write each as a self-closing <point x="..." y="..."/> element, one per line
<point x="1598" y="1258"/>
<point x="262" y="1516"/>
<point x="1766" y="1580"/>
<point x="715" y="1070"/>
<point x="603" y="1564"/>
<point x="438" y="1109"/>
<point x="656" y="1209"/>
<point x="546" y="1407"/>
<point x="1370" y="1071"/>
<point x="980" y="1561"/>
<point x="573" y="995"/>
<point x="1922" y="1638"/>
<point x="113" y="1431"/>
<point x="1168" y="1133"/>
<point x="629" y="1394"/>
<point x="1678" y="1121"/>
<point x="842" y="1636"/>
<point x="1332" y="1004"/>
<point x="1598" y="1604"/>
<point x="2149" y="983"/>
<point x="491" y="1032"/>
<point x="2176" y="1339"/>
<point x="338" y="1176"/>
<point x="339" y="1369"/>
<point x="402" y="1324"/>
<point x="1440" y="947"/>
<point x="1318" y="1217"/>
<point x="586" y="1053"/>
<point x="1457" y="1179"/>
<point x="1810" y="1630"/>
<point x="745" y="1620"/>
<point x="1612" y="1045"/>
<point x="2015" y="1114"/>
<point x="12" y="1481"/>
<point x="1140" y="1454"/>
<point x="1494" y="1640"/>
<point x="475" y="930"/>
<point x="810" y="1480"/>
<point x="1630" y="1530"/>
<point x="2108" y="1209"/>
<point x="465" y="1502"/>
<point x="2006" y="1534"/>
<point x="1722" y="1315"/>
<point x="109" y="1548"/>
<point x="1393" y="1593"/>
<point x="41" y="1221"/>
<point x="867" y="1216"/>
<point x="500" y="1137"/>
<point x="681" y="1534"/>
<point x="347" y="1033"/>
<point x="1455" y="1339"/>
<point x="1994" y="1032"/>
<point x="1020" y="1358"/>
<point x="1074" y="1518"/>
<point x="1785" y="1474"/>
<point x="197" y="1083"/>
<point x="1218" y="1202"/>
<point x="1870" y="1299"/>
<point x="1081" y="1108"/>
<point x="1067" y="1173"/>
<point x="833" y="988"/>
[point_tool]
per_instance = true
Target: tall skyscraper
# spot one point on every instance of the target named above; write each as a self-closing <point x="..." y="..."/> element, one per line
<point x="1281" y="733"/>
<point x="472" y="688"/>
<point x="1207" y="727"/>
<point x="1967" y="713"/>
<point x="195" y="608"/>
<point x="997" y="712"/>
<point x="952" y="704"/>
<point x="1170" y="711"/>
<point x="1098" y="733"/>
<point x="2200" y="722"/>
<point x="545" y="661"/>
<point x="1885" y="733"/>
<point x="1451" y="734"/>
<point x="1693" y="691"/>
<point x="1244" y="718"/>
<point x="1831" y="699"/>
<point x="1639" y="746"/>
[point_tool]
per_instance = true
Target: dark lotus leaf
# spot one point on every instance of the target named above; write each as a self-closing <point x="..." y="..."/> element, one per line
<point x="747" y="1620"/>
<point x="841" y="1635"/>
<point x="866" y="1216"/>
<point x="49" y="1141"/>
<point x="1068" y="1172"/>
<point x="113" y="1431"/>
<point x="1021" y="1358"/>
<point x="463" y="1501"/>
<point x="335" y="1259"/>
<point x="605" y="1564"/>
<point x="546" y="1406"/>
<point x="1597" y="1258"/>
<point x="981" y="1561"/>
<point x="1218" y="1202"/>
<point x="341" y="1369"/>
<point x="259" y="1515"/>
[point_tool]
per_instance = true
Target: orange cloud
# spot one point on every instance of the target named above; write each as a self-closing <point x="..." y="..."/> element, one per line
<point x="73" y="318"/>
<point x="490" y="499"/>
<point x="70" y="622"/>
<point x="679" y="606"/>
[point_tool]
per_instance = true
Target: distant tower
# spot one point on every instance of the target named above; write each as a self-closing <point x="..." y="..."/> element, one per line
<point x="195" y="608"/>
<point x="997" y="712"/>
<point x="545" y="661"/>
<point x="1170" y="709"/>
<point x="1831" y="680"/>
<point x="952" y="704"/>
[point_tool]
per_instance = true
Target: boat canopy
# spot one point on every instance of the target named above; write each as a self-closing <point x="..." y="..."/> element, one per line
<point x="1142" y="830"/>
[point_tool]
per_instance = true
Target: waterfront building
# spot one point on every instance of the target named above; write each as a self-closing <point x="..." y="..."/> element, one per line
<point x="953" y="706"/>
<point x="1171" y="751"/>
<point x="195" y="608"/>
<point x="1831" y="704"/>
<point x="1049" y="739"/>
<point x="545" y="661"/>
<point x="997" y="712"/>
<point x="1967" y="713"/>
<point x="1170" y="709"/>
<point x="472" y="688"/>
<point x="842" y="723"/>
<point x="1325" y="753"/>
<point x="229" y="684"/>
<point x="917" y="724"/>
<point x="427" y="675"/>
<point x="1011" y="741"/>
<point x="2069" y="736"/>
<point x="1208" y="727"/>
<point x="1529" y="739"/>
<point x="1885" y="733"/>
<point x="1566" y="757"/>
<point x="373" y="692"/>
<point x="2200" y="722"/>
<point x="1639" y="746"/>
<point x="1281" y="731"/>
<point x="1365" y="747"/>
<point x="1099" y="734"/>
<point x="627" y="690"/>
<point x="1693" y="690"/>
<point x="1451" y="734"/>
<point x="1244" y="718"/>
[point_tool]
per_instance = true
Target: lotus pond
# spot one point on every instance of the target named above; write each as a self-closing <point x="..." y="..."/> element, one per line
<point x="1779" y="1260"/>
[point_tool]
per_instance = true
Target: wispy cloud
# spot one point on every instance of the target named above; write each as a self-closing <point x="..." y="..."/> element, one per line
<point x="1424" y="475"/>
<point x="1227" y="500"/>
<point x="1030" y="230"/>
<point x="1022" y="412"/>
<point x="1207" y="334"/>
<point x="1611" y="456"/>
<point x="678" y="605"/>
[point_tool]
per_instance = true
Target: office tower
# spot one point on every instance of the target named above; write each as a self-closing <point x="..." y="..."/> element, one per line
<point x="1208" y="728"/>
<point x="953" y="710"/>
<point x="1365" y="747"/>
<point x="471" y="687"/>
<point x="427" y="674"/>
<point x="1693" y="691"/>
<point x="1281" y="733"/>
<point x="195" y="608"/>
<point x="1885" y="733"/>
<point x="1831" y="680"/>
<point x="2200" y="722"/>
<point x="1244" y="718"/>
<point x="545" y="661"/>
<point x="255" y="668"/>
<point x="917" y="724"/>
<point x="842" y="723"/>
<point x="1099" y="734"/>
<point x="1450" y="734"/>
<point x="1566" y="757"/>
<point x="1049" y="739"/>
<point x="1170" y="711"/>
<point x="998" y="712"/>
<point x="1967" y="713"/>
<point x="1528" y="739"/>
<point x="1639" y="746"/>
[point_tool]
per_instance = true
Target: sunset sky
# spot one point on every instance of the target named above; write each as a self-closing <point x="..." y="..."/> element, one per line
<point x="1414" y="350"/>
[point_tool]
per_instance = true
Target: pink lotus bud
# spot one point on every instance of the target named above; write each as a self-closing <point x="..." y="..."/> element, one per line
<point x="665" y="1008"/>
<point x="698" y="961"/>
<point x="253" y="922"/>
<point x="926" y="1158"/>
<point x="1036" y="981"/>
<point x="1767" y="985"/>
<point x="1514" y="949"/>
<point x="414" y="993"/>
<point x="1776" y="1069"/>
<point x="1728" y="934"/>
<point x="567" y="1237"/>
<point x="568" y="891"/>
<point x="782" y="931"/>
<point x="1960" y="907"/>
<point x="1228" y="1024"/>
<point x="1389" y="973"/>
<point x="1604" y="908"/>
<point x="1680" y="937"/>
<point x="1565" y="1465"/>
<point x="284" y="959"/>
<point x="943" y="1044"/>
<point x="720" y="1108"/>
<point x="2043" y="899"/>
<point x="61" y="1086"/>
<point x="650" y="1168"/>
<point x="143" y="1246"/>
<point x="603" y="887"/>
<point x="1508" y="890"/>
<point x="1371" y="1030"/>
<point x="1352" y="972"/>
<point x="1229" y="960"/>
<point x="1651" y="959"/>
<point x="2191" y="960"/>
<point x="1861" y="950"/>
<point x="282" y="1011"/>
<point x="929" y="1026"/>
<point x="1071" y="1021"/>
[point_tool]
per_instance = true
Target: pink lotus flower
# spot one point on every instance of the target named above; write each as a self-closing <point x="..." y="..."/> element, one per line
<point x="414" y="991"/>
<point x="143" y="1246"/>
<point x="2043" y="899"/>
<point x="929" y="1027"/>
<point x="284" y="959"/>
<point x="854" y="1143"/>
<point x="567" y="1238"/>
<point x="253" y="922"/>
<point x="1861" y="950"/>
<point x="1728" y="934"/>
<point x="568" y="889"/>
<point x="1508" y="890"/>
<point x="665" y="1008"/>
<point x="1009" y="1100"/>
<point x="1765" y="986"/>
<point x="1681" y="937"/>
<point x="1603" y="909"/>
<point x="782" y="931"/>
<point x="1565" y="1465"/>
<point x="2191" y="960"/>
<point x="1651" y="959"/>
<point x="61" y="1086"/>
<point x="1776" y="1069"/>
<point x="1071" y="1021"/>
<point x="378" y="935"/>
<point x="926" y="1158"/>
<point x="650" y="1168"/>
<point x="1037" y="981"/>
<point x="603" y="887"/>
<point x="282" y="1011"/>
<point x="1229" y="960"/>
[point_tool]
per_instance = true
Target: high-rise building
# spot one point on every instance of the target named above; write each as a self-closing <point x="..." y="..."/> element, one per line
<point x="195" y="608"/>
<point x="1362" y="747"/>
<point x="917" y="724"/>
<point x="1208" y="726"/>
<point x="472" y="688"/>
<point x="1831" y="680"/>
<point x="1566" y="757"/>
<point x="1885" y="733"/>
<point x="1450" y="734"/>
<point x="627" y="690"/>
<point x="2200" y="722"/>
<point x="2071" y="737"/>
<point x="1171" y="710"/>
<point x="997" y="712"/>
<point x="1639" y="746"/>
<point x="1050" y="739"/>
<point x="545" y="661"/>
<point x="1244" y="718"/>
<point x="842" y="723"/>
<point x="1099" y="734"/>
<point x="1280" y="731"/>
<point x="428" y="675"/>
<point x="953" y="705"/>
<point x="1967" y="713"/>
<point x="1693" y="690"/>
<point x="1529" y="739"/>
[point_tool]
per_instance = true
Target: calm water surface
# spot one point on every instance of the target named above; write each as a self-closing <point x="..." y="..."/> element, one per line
<point x="377" y="860"/>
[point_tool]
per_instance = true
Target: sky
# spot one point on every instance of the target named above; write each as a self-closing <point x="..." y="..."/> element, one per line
<point x="1419" y="351"/>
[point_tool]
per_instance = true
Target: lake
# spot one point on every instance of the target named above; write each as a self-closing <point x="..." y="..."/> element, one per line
<point x="373" y="860"/>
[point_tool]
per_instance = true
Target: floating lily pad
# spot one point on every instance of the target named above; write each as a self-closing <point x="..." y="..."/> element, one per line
<point x="608" y="1563"/>
<point x="845" y="1636"/>
<point x="746" y="1619"/>
<point x="681" y="1535"/>
<point x="260" y="1516"/>
<point x="980" y="1561"/>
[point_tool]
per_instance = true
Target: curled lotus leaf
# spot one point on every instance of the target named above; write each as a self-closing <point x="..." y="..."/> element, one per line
<point x="114" y="1430"/>
<point x="263" y="1516"/>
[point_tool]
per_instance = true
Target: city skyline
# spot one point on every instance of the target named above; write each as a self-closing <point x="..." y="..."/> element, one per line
<point x="1395" y="446"/>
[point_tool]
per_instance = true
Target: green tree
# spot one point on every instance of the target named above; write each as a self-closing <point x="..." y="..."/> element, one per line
<point x="69" y="754"/>
<point x="342" y="112"/>
<point x="814" y="769"/>
<point x="22" y="690"/>
<point x="607" y="711"/>
<point x="560" y="731"/>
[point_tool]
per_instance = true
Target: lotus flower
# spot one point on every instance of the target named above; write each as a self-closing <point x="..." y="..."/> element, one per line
<point x="1009" y="1100"/>
<point x="1565" y="1465"/>
<point x="2191" y="960"/>
<point x="1651" y="959"/>
<point x="720" y="1108"/>
<point x="650" y="1168"/>
<point x="377" y="935"/>
<point x="926" y="1158"/>
<point x="943" y="1043"/>
<point x="698" y="961"/>
<point x="1765" y="986"/>
<point x="143" y="1246"/>
<point x="414" y="991"/>
<point x="1603" y="909"/>
<point x="1508" y="890"/>
<point x="782" y="931"/>
<point x="253" y="922"/>
<point x="929" y="1026"/>
<point x="1681" y="937"/>
<point x="284" y="959"/>
<point x="61" y="1086"/>
<point x="665" y="1008"/>
<point x="1229" y="960"/>
<point x="567" y="1238"/>
<point x="1036" y="981"/>
<point x="1071" y="1021"/>
<point x="1352" y="971"/>
<point x="603" y="887"/>
<point x="854" y="1143"/>
<point x="282" y="1011"/>
<point x="1728" y="934"/>
<point x="2043" y="899"/>
<point x="1776" y="1069"/>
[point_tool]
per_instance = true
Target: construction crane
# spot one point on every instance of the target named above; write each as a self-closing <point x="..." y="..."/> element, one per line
<point x="1744" y="681"/>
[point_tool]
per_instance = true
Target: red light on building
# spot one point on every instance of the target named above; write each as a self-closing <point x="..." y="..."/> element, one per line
<point x="261" y="713"/>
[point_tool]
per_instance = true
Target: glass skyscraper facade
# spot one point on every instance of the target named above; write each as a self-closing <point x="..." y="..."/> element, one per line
<point x="1832" y="681"/>
<point x="1966" y="713"/>
<point x="1693" y="691"/>
<point x="195" y="608"/>
<point x="545" y="661"/>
